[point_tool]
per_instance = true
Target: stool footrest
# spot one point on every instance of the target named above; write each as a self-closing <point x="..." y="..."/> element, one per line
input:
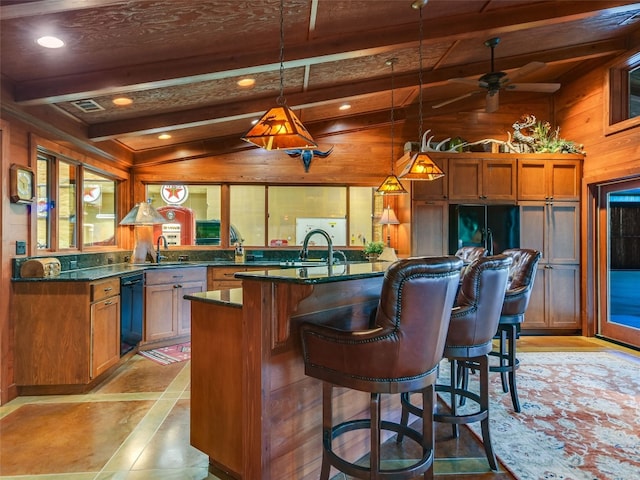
<point x="359" y="471"/>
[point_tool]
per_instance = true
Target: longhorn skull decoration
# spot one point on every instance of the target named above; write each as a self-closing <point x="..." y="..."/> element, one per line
<point x="307" y="155"/>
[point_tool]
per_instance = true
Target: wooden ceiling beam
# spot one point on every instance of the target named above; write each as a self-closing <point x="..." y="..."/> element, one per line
<point x="322" y="50"/>
<point x="250" y="108"/>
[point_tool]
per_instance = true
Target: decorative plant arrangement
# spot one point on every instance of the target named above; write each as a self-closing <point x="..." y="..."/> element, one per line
<point x="529" y="136"/>
<point x="373" y="249"/>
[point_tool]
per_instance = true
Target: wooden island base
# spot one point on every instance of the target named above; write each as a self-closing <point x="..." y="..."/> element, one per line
<point x="253" y="410"/>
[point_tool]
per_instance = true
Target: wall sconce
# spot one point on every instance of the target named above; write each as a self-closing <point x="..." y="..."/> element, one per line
<point x="143" y="217"/>
<point x="388" y="218"/>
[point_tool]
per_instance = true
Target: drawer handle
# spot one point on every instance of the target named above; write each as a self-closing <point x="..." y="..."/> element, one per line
<point x="177" y="276"/>
<point x="108" y="302"/>
<point x="177" y="286"/>
<point x="108" y="289"/>
<point x="229" y="274"/>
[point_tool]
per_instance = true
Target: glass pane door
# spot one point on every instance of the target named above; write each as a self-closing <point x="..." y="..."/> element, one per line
<point x="619" y="242"/>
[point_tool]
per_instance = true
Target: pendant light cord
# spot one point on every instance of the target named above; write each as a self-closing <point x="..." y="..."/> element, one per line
<point x="420" y="82"/>
<point x="281" y="100"/>
<point x="392" y="62"/>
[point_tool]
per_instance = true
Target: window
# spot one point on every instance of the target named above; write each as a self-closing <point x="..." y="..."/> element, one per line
<point x="624" y="95"/>
<point x="59" y="226"/>
<point x="263" y="216"/>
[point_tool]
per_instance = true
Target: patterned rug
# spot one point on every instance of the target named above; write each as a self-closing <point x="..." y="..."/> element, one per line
<point x="580" y="417"/>
<point x="171" y="354"/>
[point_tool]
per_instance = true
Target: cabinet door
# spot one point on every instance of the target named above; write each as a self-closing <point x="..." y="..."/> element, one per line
<point x="498" y="180"/>
<point x="160" y="312"/>
<point x="533" y="227"/>
<point x="105" y="335"/>
<point x="563" y="296"/>
<point x="429" y="228"/>
<point x="465" y="179"/>
<point x="564" y="180"/>
<point x="184" y="306"/>
<point x="432" y="190"/>
<point x="563" y="232"/>
<point x="532" y="180"/>
<point x="536" y="317"/>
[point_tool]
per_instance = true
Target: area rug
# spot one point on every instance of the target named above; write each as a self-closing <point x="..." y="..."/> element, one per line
<point x="580" y="417"/>
<point x="171" y="354"/>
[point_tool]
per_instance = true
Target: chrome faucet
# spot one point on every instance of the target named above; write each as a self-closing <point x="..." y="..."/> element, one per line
<point x="164" y="241"/>
<point x="304" y="253"/>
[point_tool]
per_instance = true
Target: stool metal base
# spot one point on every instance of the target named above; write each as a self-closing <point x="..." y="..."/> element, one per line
<point x="375" y="425"/>
<point x="508" y="363"/>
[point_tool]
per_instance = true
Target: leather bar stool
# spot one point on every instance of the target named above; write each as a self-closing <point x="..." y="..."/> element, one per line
<point x="400" y="354"/>
<point x="522" y="274"/>
<point x="469" y="254"/>
<point x="473" y="324"/>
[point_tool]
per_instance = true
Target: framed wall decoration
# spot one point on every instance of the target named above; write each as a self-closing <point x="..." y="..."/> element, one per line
<point x="21" y="184"/>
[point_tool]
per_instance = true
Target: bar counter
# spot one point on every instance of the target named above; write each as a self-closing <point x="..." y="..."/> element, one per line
<point x="253" y="410"/>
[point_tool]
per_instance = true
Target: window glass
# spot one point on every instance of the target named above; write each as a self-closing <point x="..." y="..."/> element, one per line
<point x="361" y="213"/>
<point x="43" y="223"/>
<point x="247" y="211"/>
<point x="98" y="210"/>
<point x="293" y="211"/>
<point x="66" y="205"/>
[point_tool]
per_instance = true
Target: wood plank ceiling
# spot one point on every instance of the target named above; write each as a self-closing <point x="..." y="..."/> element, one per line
<point x="179" y="61"/>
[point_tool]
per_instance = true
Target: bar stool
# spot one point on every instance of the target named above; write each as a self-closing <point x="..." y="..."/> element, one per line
<point x="469" y="254"/>
<point x="400" y="354"/>
<point x="522" y="274"/>
<point x="473" y="324"/>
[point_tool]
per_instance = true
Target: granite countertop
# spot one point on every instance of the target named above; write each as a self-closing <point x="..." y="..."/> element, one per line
<point x="231" y="297"/>
<point x="119" y="269"/>
<point x="315" y="275"/>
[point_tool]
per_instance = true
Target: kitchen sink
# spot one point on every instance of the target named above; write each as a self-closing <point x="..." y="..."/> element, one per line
<point x="303" y="264"/>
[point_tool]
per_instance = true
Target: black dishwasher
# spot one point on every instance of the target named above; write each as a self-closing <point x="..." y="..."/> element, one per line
<point x="131" y="311"/>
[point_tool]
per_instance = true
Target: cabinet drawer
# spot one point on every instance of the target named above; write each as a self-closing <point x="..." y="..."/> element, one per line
<point x="172" y="275"/>
<point x="105" y="289"/>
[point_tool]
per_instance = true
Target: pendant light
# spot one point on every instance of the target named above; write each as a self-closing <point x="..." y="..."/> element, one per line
<point x="143" y="217"/>
<point x="391" y="184"/>
<point x="421" y="166"/>
<point x="279" y="128"/>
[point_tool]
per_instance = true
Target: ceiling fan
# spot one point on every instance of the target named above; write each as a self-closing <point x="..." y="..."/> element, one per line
<point x="493" y="82"/>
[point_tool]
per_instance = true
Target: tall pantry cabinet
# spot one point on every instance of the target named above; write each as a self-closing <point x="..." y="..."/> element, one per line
<point x="546" y="189"/>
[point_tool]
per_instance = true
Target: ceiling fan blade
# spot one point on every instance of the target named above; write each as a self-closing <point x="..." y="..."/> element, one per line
<point x="451" y="100"/>
<point x="493" y="102"/>
<point x="466" y="81"/>
<point x="534" y="87"/>
<point x="522" y="71"/>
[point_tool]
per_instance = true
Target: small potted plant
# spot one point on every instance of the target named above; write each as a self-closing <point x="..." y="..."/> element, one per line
<point x="372" y="250"/>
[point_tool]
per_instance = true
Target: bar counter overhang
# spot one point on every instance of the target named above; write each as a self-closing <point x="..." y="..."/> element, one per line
<point x="253" y="410"/>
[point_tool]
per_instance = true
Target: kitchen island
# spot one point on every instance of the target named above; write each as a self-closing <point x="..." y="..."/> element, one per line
<point x="253" y="410"/>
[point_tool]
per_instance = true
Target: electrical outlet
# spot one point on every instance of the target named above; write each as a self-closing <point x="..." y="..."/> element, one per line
<point x="73" y="264"/>
<point x="21" y="247"/>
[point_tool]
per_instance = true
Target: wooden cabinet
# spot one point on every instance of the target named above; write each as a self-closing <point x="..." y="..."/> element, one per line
<point x="557" y="180"/>
<point x="555" y="299"/>
<point x="553" y="228"/>
<point x="223" y="278"/>
<point x="105" y="325"/>
<point x="484" y="180"/>
<point x="67" y="334"/>
<point x="167" y="314"/>
<point x="429" y="228"/>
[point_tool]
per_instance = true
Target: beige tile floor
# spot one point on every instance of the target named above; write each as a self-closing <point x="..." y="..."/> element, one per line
<point x="135" y="426"/>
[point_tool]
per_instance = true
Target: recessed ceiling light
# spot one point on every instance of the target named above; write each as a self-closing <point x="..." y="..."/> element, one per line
<point x="50" y="42"/>
<point x="246" y="82"/>
<point x="164" y="136"/>
<point x="345" y="106"/>
<point x="122" y="101"/>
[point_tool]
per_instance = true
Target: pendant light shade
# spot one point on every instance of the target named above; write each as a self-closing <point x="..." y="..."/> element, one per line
<point x="420" y="166"/>
<point x="391" y="184"/>
<point x="143" y="214"/>
<point x="279" y="128"/>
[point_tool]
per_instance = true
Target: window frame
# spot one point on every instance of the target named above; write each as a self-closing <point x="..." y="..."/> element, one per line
<point x="617" y="95"/>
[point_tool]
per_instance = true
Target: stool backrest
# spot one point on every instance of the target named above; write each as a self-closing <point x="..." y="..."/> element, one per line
<point x="413" y="314"/>
<point x="469" y="254"/>
<point x="522" y="274"/>
<point x="479" y="301"/>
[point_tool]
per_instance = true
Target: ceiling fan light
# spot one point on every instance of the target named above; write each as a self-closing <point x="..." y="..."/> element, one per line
<point x="421" y="167"/>
<point x="280" y="129"/>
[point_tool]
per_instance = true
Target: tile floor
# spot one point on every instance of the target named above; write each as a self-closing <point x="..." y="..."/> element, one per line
<point x="135" y="426"/>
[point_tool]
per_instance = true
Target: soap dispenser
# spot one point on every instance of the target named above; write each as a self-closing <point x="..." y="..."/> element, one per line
<point x="239" y="255"/>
